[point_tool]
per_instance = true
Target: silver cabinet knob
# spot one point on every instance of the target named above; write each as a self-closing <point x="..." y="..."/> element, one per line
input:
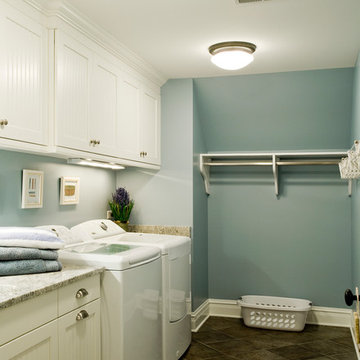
<point x="83" y="314"/>
<point x="141" y="154"/>
<point x="145" y="153"/>
<point x="92" y="142"/>
<point x="81" y="293"/>
<point x="98" y="142"/>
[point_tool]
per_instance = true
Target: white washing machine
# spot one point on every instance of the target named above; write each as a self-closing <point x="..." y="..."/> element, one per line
<point x="176" y="301"/>
<point x="131" y="319"/>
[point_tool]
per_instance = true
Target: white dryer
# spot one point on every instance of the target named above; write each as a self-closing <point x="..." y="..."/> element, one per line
<point x="131" y="290"/>
<point x="176" y="300"/>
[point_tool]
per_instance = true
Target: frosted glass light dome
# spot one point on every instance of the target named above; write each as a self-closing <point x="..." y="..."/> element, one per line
<point x="232" y="55"/>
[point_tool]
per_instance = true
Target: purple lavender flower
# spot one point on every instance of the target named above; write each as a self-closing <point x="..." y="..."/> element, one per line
<point x="121" y="197"/>
<point x="121" y="205"/>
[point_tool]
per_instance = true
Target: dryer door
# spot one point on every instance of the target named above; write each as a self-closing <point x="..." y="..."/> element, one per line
<point x="179" y="296"/>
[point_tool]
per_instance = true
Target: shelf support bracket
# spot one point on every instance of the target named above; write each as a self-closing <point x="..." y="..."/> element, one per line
<point x="205" y="172"/>
<point x="275" y="172"/>
<point x="350" y="187"/>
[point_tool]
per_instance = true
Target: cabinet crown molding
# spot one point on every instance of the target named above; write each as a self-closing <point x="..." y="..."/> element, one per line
<point x="62" y="10"/>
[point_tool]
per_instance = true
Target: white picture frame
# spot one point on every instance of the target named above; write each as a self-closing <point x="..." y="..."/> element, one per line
<point x="32" y="189"/>
<point x="69" y="190"/>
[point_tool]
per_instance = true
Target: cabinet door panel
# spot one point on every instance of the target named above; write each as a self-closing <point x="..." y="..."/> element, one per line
<point x="129" y="122"/>
<point x="80" y="339"/>
<point x="23" y="64"/>
<point x="104" y="107"/>
<point x="72" y="83"/>
<point x="38" y="344"/>
<point x="150" y="126"/>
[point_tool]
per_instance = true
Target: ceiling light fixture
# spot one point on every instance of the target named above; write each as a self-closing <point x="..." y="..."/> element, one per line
<point x="232" y="55"/>
<point x="89" y="162"/>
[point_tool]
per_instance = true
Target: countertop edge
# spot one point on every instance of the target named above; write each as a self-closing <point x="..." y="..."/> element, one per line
<point x="88" y="272"/>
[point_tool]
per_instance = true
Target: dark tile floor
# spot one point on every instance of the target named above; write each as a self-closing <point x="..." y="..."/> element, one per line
<point x="229" y="339"/>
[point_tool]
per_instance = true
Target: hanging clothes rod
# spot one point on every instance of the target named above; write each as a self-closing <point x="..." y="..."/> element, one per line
<point x="270" y="163"/>
<point x="273" y="159"/>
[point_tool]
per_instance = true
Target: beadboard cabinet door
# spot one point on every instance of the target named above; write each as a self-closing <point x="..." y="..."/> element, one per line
<point x="79" y="335"/>
<point x="24" y="77"/>
<point x="129" y="119"/>
<point x="41" y="343"/>
<point x="86" y="98"/>
<point x="150" y="126"/>
<point x="73" y="65"/>
<point x="104" y="107"/>
<point x="139" y="131"/>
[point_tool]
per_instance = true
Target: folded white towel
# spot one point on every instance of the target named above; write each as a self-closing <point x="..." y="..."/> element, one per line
<point x="29" y="237"/>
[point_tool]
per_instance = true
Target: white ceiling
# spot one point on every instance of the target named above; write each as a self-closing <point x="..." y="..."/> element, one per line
<point x="174" y="35"/>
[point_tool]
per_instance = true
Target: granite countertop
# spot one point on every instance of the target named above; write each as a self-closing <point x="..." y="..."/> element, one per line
<point x="161" y="229"/>
<point x="15" y="289"/>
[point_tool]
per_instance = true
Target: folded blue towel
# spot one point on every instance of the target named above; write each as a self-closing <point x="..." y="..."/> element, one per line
<point x="29" y="237"/>
<point x="20" y="253"/>
<point x="20" y="267"/>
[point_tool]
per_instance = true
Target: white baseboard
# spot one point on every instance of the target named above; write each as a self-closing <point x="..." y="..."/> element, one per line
<point x="318" y="315"/>
<point x="199" y="316"/>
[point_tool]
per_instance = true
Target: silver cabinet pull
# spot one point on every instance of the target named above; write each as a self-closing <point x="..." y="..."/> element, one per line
<point x="3" y="122"/>
<point x="83" y="314"/>
<point x="98" y="142"/>
<point x="92" y="142"/>
<point x="81" y="293"/>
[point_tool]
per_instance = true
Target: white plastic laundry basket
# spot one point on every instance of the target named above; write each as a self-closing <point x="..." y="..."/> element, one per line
<point x="276" y="313"/>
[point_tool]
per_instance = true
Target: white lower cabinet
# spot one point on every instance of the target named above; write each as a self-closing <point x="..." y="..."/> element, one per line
<point x="61" y="325"/>
<point x="39" y="344"/>
<point x="79" y="333"/>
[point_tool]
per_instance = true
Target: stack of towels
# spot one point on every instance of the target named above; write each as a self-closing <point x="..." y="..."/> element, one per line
<point x="25" y="250"/>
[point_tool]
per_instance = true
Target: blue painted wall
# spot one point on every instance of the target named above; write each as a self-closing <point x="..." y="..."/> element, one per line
<point x="282" y="111"/>
<point x="200" y="278"/>
<point x="298" y="245"/>
<point x="356" y="187"/>
<point x="96" y="187"/>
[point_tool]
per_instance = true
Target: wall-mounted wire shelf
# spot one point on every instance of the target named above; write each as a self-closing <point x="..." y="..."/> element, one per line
<point x="273" y="159"/>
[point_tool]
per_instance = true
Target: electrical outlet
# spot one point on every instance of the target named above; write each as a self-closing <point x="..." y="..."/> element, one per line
<point x="108" y="214"/>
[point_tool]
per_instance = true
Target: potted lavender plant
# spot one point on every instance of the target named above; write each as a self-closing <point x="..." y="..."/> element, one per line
<point x="121" y="206"/>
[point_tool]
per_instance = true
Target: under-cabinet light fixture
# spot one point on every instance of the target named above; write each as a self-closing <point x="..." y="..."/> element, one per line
<point x="95" y="163"/>
<point x="232" y="55"/>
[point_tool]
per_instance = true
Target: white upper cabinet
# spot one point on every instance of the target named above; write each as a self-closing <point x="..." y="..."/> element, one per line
<point x="73" y="64"/>
<point x="139" y="130"/>
<point x="86" y="98"/>
<point x="129" y="120"/>
<point x="64" y="94"/>
<point x="24" y="77"/>
<point x="104" y="107"/>
<point x="150" y="126"/>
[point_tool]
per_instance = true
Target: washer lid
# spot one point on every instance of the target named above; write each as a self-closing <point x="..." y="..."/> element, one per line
<point x="96" y="229"/>
<point x="108" y="254"/>
<point x="173" y="245"/>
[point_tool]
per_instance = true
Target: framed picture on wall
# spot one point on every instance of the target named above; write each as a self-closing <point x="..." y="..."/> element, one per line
<point x="32" y="189"/>
<point x="69" y="190"/>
